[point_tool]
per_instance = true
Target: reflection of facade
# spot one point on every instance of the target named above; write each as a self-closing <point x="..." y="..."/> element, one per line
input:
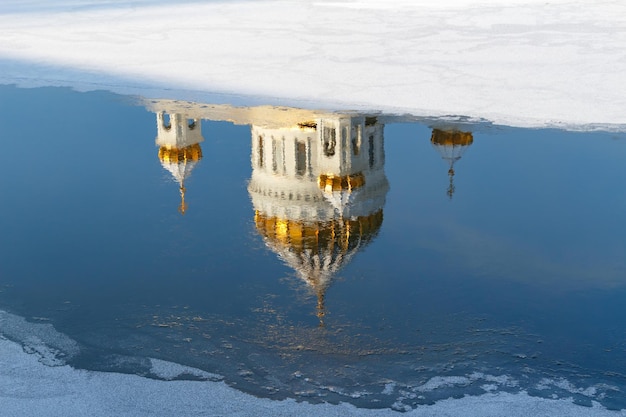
<point x="451" y="145"/>
<point x="179" y="140"/>
<point x="318" y="189"/>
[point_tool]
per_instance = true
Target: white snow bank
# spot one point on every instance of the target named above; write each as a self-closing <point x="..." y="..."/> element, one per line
<point x="29" y="388"/>
<point x="522" y="63"/>
<point x="429" y="4"/>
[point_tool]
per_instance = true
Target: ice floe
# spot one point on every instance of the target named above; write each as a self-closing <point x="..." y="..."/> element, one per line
<point x="170" y="371"/>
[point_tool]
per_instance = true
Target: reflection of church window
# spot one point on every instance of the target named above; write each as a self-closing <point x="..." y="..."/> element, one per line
<point x="308" y="156"/>
<point x="260" y="152"/>
<point x="329" y="140"/>
<point x="274" y="155"/>
<point x="371" y="150"/>
<point x="192" y="124"/>
<point x="344" y="141"/>
<point x="300" y="158"/>
<point x="167" y="123"/>
<point x="277" y="155"/>
<point x="356" y="139"/>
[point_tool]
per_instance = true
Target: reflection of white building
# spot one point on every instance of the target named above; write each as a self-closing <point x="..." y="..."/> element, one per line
<point x="318" y="189"/>
<point x="178" y="138"/>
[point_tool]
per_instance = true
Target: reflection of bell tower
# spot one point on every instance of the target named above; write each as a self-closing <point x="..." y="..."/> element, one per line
<point x="179" y="140"/>
<point x="318" y="189"/>
<point x="451" y="145"/>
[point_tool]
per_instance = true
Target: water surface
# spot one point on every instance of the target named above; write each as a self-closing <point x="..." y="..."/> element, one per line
<point x="375" y="259"/>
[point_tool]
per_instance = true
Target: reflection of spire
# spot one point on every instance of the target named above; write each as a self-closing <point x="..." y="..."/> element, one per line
<point x="179" y="148"/>
<point x="321" y="310"/>
<point x="183" y="206"/>
<point x="318" y="189"/>
<point x="451" y="187"/>
<point x="451" y="145"/>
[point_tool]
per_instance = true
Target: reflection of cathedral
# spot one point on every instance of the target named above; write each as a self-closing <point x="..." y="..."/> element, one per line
<point x="318" y="184"/>
<point x="179" y="140"/>
<point x="451" y="145"/>
<point x="318" y="189"/>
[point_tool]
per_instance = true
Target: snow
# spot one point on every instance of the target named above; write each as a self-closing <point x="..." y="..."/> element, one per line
<point x="521" y="63"/>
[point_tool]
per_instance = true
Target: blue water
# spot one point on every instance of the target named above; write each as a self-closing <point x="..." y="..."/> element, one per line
<point x="515" y="282"/>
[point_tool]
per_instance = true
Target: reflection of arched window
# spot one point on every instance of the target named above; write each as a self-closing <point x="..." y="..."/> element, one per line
<point x="300" y="158"/>
<point x="192" y="124"/>
<point x="166" y="121"/>
<point x="343" y="146"/>
<point x="371" y="150"/>
<point x="329" y="140"/>
<point x="308" y="156"/>
<point x="275" y="153"/>
<point x="356" y="139"/>
<point x="260" y="155"/>
<point x="278" y="156"/>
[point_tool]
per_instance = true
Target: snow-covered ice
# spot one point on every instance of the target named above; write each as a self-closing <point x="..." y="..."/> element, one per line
<point x="29" y="387"/>
<point x="522" y="63"/>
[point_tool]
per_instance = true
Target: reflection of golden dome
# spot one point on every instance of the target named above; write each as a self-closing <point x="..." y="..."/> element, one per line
<point x="315" y="237"/>
<point x="330" y="182"/>
<point x="180" y="162"/>
<point x="168" y="154"/>
<point x="316" y="250"/>
<point x="451" y="138"/>
<point x="451" y="144"/>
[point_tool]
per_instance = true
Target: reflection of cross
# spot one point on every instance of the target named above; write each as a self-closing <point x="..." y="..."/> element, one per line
<point x="321" y="311"/>
<point x="183" y="206"/>
<point x="451" y="186"/>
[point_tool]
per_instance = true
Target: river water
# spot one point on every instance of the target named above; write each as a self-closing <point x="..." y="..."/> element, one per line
<point x="381" y="260"/>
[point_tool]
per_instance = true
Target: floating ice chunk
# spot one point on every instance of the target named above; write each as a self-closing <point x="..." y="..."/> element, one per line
<point x="170" y="371"/>
<point x="489" y="387"/>
<point x="443" y="381"/>
<point x="565" y="385"/>
<point x="389" y="388"/>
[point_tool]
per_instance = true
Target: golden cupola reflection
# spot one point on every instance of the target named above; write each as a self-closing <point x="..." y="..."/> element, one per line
<point x="318" y="189"/>
<point x="178" y="138"/>
<point x="451" y="145"/>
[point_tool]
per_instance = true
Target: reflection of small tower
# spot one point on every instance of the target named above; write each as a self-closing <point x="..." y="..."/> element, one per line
<point x="451" y="145"/>
<point x="318" y="189"/>
<point x="179" y="148"/>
